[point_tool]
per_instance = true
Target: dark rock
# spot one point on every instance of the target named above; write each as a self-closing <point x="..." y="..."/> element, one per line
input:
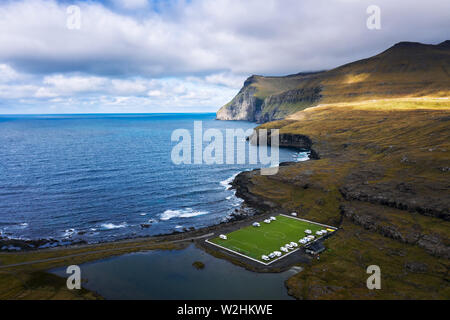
<point x="198" y="265"/>
<point x="370" y="220"/>
<point x="416" y="267"/>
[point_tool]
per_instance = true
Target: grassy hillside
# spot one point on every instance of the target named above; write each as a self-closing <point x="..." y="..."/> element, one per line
<point x="405" y="70"/>
<point x="383" y="178"/>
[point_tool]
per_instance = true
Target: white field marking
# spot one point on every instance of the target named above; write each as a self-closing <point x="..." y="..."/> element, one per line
<point x="238" y="249"/>
<point x="264" y="234"/>
<point x="251" y="245"/>
<point x="235" y="252"/>
<point x="320" y="224"/>
<point x="291" y="226"/>
<point x="284" y="255"/>
<point x="254" y="246"/>
<point x="281" y="233"/>
<point x="243" y="255"/>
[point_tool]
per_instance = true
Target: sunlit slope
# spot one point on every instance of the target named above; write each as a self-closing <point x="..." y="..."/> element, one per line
<point x="405" y="70"/>
<point x="382" y="177"/>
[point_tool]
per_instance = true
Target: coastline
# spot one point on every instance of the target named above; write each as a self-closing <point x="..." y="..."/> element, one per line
<point x="36" y="263"/>
<point x="348" y="187"/>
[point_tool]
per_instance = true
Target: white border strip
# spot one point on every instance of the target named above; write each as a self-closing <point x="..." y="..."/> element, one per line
<point x="235" y="252"/>
<point x="319" y="224"/>
<point x="243" y="255"/>
<point x="284" y="255"/>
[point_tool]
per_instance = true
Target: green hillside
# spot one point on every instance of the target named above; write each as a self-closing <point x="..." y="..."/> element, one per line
<point x="407" y="69"/>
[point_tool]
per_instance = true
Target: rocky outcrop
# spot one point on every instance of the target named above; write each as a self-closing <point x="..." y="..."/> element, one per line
<point x="264" y="99"/>
<point x="400" y="196"/>
<point x="276" y="107"/>
<point x="243" y="184"/>
<point x="8" y="244"/>
<point x="245" y="106"/>
<point x="393" y="73"/>
<point x="286" y="140"/>
<point x="370" y="219"/>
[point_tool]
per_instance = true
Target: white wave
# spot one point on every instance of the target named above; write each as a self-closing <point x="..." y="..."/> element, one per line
<point x="143" y="214"/>
<point x="301" y="156"/>
<point x="182" y="213"/>
<point x="68" y="232"/>
<point x="178" y="227"/>
<point x="227" y="182"/>
<point x="110" y="226"/>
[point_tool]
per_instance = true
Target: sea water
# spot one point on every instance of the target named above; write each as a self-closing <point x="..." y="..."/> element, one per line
<point x="101" y="177"/>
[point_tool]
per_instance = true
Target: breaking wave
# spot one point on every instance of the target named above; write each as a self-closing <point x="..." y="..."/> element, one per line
<point x="227" y="182"/>
<point x="110" y="226"/>
<point x="182" y="213"/>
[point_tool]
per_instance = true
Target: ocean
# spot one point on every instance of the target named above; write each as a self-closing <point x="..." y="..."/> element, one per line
<point x="104" y="177"/>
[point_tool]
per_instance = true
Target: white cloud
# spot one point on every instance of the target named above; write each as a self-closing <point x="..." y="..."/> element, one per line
<point x="191" y="52"/>
<point x="200" y="36"/>
<point x="73" y="84"/>
<point x="8" y="74"/>
<point x="154" y="93"/>
<point x="84" y="93"/>
<point x="226" y="79"/>
<point x="131" y="4"/>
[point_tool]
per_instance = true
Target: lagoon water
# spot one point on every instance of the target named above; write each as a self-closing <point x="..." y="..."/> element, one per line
<point x="99" y="177"/>
<point x="170" y="275"/>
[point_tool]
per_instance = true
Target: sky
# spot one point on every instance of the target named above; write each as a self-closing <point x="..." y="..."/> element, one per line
<point x="117" y="56"/>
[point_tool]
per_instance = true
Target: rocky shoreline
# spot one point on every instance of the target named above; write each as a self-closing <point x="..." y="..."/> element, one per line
<point x="381" y="183"/>
<point x="362" y="184"/>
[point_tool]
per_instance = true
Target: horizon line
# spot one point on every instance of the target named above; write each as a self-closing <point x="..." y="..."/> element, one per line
<point x="101" y="113"/>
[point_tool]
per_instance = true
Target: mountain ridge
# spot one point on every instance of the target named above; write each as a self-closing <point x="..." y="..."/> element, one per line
<point x="406" y="69"/>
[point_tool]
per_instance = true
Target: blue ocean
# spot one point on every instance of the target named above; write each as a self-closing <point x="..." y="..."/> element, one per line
<point x="101" y="177"/>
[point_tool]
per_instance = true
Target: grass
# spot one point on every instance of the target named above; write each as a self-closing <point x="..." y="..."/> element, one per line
<point x="33" y="282"/>
<point x="364" y="144"/>
<point x="254" y="242"/>
<point x="400" y="72"/>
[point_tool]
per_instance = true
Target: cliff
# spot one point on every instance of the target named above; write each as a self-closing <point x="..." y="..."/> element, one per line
<point x="382" y="177"/>
<point x="407" y="69"/>
<point x="379" y="131"/>
<point x="262" y="99"/>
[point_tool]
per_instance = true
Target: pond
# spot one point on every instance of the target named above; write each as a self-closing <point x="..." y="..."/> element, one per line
<point x="169" y="274"/>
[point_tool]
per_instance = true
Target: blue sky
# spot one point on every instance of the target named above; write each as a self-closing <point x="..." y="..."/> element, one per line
<point x="185" y="55"/>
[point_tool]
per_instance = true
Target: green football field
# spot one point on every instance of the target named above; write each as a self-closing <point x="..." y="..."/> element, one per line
<point x="254" y="242"/>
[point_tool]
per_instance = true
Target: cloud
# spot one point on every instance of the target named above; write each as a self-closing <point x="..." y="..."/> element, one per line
<point x="150" y="49"/>
<point x="8" y="74"/>
<point x="131" y="4"/>
<point x="74" y="84"/>
<point x="225" y="79"/>
<point x="80" y="93"/>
